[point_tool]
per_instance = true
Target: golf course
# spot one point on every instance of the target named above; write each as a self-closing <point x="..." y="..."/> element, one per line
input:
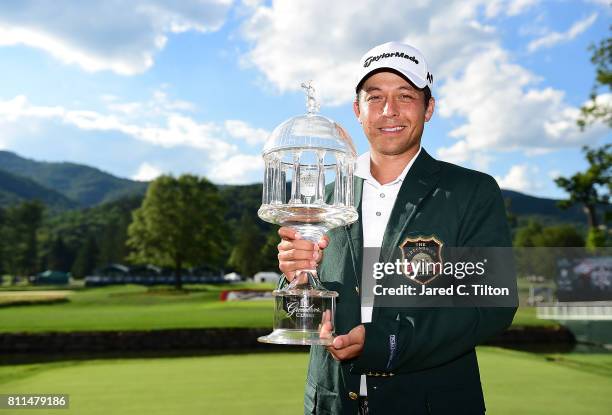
<point x="272" y="383"/>
<point x="243" y="383"/>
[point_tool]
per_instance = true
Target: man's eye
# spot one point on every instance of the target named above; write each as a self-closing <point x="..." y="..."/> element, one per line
<point x="407" y="97"/>
<point x="374" y="98"/>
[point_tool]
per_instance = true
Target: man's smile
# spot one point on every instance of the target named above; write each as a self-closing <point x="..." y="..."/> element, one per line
<point x="392" y="129"/>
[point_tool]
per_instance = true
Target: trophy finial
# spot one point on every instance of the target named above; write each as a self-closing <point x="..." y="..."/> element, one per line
<point x="311" y="102"/>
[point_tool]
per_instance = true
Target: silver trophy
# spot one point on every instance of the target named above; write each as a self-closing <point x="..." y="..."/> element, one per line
<point x="307" y="157"/>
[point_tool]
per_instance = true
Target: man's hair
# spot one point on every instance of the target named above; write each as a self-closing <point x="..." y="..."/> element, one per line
<point x="426" y="91"/>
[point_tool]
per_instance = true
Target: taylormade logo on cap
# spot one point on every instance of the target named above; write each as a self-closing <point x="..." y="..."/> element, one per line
<point x="400" y="57"/>
<point x="369" y="60"/>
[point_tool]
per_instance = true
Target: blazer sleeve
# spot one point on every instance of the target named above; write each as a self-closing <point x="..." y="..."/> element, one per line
<point x="407" y="340"/>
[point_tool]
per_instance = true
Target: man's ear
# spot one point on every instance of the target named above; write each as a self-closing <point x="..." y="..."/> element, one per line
<point x="430" y="109"/>
<point x="356" y="109"/>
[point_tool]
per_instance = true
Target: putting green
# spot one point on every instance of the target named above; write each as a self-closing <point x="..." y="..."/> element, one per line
<point x="514" y="382"/>
<point x="525" y="383"/>
<point x="229" y="384"/>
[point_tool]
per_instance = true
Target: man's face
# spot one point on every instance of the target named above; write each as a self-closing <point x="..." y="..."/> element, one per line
<point x="392" y="113"/>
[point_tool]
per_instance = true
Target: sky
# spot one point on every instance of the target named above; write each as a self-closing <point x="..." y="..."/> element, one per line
<point x="148" y="87"/>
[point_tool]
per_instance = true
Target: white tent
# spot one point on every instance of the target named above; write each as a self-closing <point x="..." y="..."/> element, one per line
<point x="232" y="276"/>
<point x="266" y="277"/>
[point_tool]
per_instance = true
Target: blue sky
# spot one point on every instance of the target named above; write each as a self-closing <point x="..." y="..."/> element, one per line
<point x="151" y="86"/>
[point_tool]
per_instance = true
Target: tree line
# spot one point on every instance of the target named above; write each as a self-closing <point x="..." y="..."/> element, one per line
<point x="189" y="222"/>
<point x="181" y="223"/>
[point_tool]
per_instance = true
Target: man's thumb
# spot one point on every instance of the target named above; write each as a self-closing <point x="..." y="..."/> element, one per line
<point x="339" y="342"/>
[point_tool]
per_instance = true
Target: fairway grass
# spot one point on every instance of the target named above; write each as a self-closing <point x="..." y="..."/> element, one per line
<point x="133" y="307"/>
<point x="514" y="383"/>
<point x="231" y="384"/>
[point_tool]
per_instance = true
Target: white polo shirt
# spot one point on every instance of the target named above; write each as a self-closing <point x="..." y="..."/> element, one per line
<point x="377" y="201"/>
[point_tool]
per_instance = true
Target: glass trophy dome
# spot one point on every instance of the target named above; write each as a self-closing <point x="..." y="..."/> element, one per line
<point x="308" y="185"/>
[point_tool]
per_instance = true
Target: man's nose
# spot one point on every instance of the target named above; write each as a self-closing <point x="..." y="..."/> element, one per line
<point x="390" y="108"/>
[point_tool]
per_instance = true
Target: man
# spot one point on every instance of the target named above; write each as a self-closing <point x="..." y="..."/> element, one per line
<point x="410" y="360"/>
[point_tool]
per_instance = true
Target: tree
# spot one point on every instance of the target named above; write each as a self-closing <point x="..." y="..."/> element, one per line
<point x="60" y="257"/>
<point x="510" y="216"/>
<point x="598" y="109"/>
<point x="535" y="235"/>
<point x="2" y="242"/>
<point x="538" y="256"/>
<point x="20" y="236"/>
<point x="560" y="236"/>
<point x="269" y="252"/>
<point x="524" y="237"/>
<point x="596" y="238"/>
<point x="86" y="258"/>
<point x="179" y="224"/>
<point x="113" y="240"/>
<point x="591" y="187"/>
<point x="246" y="252"/>
<point x="583" y="187"/>
<point x="30" y="216"/>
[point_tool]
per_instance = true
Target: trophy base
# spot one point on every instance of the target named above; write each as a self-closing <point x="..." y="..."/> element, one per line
<point x="295" y="337"/>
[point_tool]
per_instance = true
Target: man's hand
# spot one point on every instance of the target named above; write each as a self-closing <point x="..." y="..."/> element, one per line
<point x="345" y="347"/>
<point x="295" y="253"/>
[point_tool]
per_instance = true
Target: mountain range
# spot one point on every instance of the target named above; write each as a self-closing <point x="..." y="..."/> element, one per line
<point x="60" y="185"/>
<point x="67" y="186"/>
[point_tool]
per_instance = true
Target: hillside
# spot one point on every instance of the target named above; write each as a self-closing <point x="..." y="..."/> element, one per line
<point x="15" y="189"/>
<point x="68" y="185"/>
<point x="85" y="185"/>
<point x="545" y="209"/>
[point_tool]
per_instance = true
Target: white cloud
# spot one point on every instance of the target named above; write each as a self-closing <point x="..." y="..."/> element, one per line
<point x="106" y="35"/>
<point x="521" y="178"/>
<point x="169" y="130"/>
<point x="159" y="121"/>
<point x="238" y="169"/>
<point x="553" y="174"/>
<point x="555" y="38"/>
<point x="289" y="46"/>
<point x="516" y="7"/>
<point x="252" y="3"/>
<point x="496" y="101"/>
<point x="243" y="131"/>
<point x="503" y="111"/>
<point x="147" y="172"/>
<point x="508" y="7"/>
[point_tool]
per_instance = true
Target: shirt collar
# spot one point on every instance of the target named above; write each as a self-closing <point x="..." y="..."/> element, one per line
<point x="362" y="168"/>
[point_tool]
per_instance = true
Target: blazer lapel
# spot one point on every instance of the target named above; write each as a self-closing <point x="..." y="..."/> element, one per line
<point x="417" y="184"/>
<point x="355" y="231"/>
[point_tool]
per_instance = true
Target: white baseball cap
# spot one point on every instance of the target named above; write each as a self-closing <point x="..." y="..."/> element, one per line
<point x="400" y="57"/>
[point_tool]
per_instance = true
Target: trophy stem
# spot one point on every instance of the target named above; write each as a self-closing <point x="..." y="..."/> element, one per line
<point x="305" y="280"/>
<point x="309" y="232"/>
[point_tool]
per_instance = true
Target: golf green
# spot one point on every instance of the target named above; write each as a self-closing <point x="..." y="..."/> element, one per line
<point x="514" y="383"/>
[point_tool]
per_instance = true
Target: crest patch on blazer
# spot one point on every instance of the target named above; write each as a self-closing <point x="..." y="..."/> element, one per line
<point x="424" y="257"/>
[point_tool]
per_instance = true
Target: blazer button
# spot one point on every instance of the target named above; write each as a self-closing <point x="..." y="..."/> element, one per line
<point x="353" y="396"/>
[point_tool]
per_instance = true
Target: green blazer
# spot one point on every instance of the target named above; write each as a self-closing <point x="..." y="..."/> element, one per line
<point x="418" y="360"/>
